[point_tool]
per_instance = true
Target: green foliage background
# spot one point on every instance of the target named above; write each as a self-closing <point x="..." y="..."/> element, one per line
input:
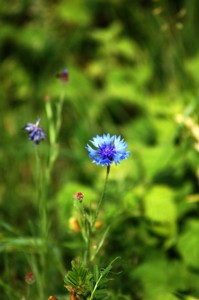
<point x="133" y="68"/>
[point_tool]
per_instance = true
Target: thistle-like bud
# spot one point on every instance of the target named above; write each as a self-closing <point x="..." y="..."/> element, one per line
<point x="29" y="278"/>
<point x="79" y="196"/>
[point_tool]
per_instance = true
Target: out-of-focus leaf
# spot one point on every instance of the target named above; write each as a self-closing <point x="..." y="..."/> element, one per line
<point x="74" y="12"/>
<point x="154" y="159"/>
<point x="162" y="278"/>
<point x="188" y="244"/>
<point x="159" y="205"/>
<point x="161" y="211"/>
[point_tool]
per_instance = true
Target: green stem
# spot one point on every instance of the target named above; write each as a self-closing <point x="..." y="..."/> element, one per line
<point x="28" y="292"/>
<point x="59" y="111"/>
<point x="86" y="231"/>
<point x="43" y="227"/>
<point x="42" y="194"/>
<point x="88" y="224"/>
<point x="38" y="178"/>
<point x="102" y="196"/>
<point x="88" y="244"/>
<point x="95" y="287"/>
<point x="54" y="129"/>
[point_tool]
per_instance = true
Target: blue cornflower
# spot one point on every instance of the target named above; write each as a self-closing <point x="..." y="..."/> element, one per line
<point x="109" y="149"/>
<point x="35" y="132"/>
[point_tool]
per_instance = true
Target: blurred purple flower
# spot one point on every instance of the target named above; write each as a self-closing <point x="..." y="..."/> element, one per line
<point x="35" y="132"/>
<point x="64" y="76"/>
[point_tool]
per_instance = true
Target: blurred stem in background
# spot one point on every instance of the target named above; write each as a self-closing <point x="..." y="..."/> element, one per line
<point x="54" y="119"/>
<point x="43" y="227"/>
<point x="43" y="181"/>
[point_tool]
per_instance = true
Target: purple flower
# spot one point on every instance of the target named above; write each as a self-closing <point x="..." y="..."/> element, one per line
<point x="108" y="149"/>
<point x="35" y="132"/>
<point x="63" y="75"/>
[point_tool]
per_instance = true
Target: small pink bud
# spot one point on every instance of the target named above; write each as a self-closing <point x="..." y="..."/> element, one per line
<point x="30" y="278"/>
<point x="79" y="196"/>
<point x="47" y="98"/>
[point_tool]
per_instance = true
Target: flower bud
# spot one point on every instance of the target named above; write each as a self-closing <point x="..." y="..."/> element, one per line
<point x="79" y="196"/>
<point x="30" y="278"/>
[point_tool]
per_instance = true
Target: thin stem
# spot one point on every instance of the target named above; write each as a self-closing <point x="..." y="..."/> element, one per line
<point x="59" y="111"/>
<point x="88" y="243"/>
<point x="86" y="231"/>
<point x="88" y="224"/>
<point x="95" y="287"/>
<point x="28" y="292"/>
<point x="102" y="196"/>
<point x="54" y="129"/>
<point x="41" y="198"/>
<point x="38" y="176"/>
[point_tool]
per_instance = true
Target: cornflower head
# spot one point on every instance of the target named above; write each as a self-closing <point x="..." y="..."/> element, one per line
<point x="63" y="76"/>
<point x="35" y="132"/>
<point x="108" y="149"/>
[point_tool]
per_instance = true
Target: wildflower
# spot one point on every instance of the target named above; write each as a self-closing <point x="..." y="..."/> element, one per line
<point x="35" y="132"/>
<point x="30" y="278"/>
<point x="109" y="149"/>
<point x="79" y="196"/>
<point x="52" y="298"/>
<point x="63" y="75"/>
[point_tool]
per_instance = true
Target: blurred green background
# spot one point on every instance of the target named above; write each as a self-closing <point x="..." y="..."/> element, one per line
<point x="134" y="71"/>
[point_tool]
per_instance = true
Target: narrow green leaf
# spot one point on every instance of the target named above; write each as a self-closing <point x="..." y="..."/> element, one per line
<point x="96" y="273"/>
